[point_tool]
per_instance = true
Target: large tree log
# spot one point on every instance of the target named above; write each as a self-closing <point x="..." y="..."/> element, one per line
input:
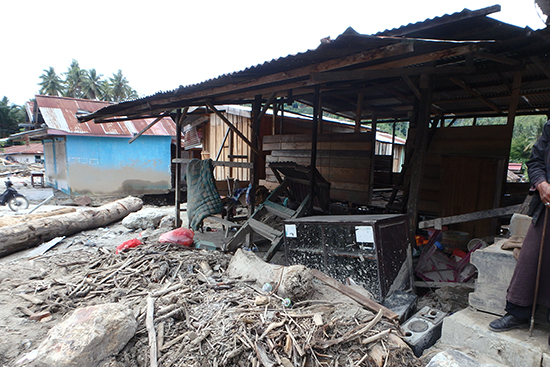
<point x="18" y="219"/>
<point x="25" y="235"/>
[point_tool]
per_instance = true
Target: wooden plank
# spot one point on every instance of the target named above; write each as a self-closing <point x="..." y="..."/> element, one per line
<point x="264" y="230"/>
<point x="235" y="130"/>
<point x="484" y="214"/>
<point x="278" y="209"/>
<point x="476" y="94"/>
<point x="167" y="113"/>
<point x="354" y="295"/>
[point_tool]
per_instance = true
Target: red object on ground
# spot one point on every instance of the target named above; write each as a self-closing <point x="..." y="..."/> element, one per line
<point x="134" y="242"/>
<point x="180" y="236"/>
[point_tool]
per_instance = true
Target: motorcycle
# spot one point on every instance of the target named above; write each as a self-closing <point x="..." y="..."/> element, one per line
<point x="15" y="200"/>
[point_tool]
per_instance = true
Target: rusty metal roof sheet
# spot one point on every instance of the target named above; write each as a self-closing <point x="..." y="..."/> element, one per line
<point x="60" y="113"/>
<point x="495" y="50"/>
<point x="33" y="148"/>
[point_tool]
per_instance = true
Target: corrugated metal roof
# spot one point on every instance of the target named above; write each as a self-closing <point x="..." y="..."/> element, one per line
<point x="487" y="51"/>
<point x="60" y="113"/>
<point x="34" y="148"/>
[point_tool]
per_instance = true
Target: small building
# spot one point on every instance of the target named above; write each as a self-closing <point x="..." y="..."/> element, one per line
<point x="28" y="153"/>
<point x="93" y="159"/>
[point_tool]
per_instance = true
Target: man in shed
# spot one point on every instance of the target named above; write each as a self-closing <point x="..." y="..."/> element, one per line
<point x="521" y="291"/>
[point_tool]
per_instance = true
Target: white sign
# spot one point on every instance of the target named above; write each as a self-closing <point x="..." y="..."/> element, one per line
<point x="364" y="234"/>
<point x="290" y="230"/>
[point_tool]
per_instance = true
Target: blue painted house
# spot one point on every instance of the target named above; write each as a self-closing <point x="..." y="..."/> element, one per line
<point x="97" y="159"/>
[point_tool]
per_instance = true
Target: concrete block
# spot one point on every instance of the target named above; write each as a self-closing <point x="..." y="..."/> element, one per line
<point x="423" y="329"/>
<point x="495" y="268"/>
<point x="468" y="329"/>
<point x="402" y="303"/>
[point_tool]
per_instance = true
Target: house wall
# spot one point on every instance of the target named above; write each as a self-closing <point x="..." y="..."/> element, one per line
<point x="109" y="165"/>
<point x="55" y="162"/>
<point x="25" y="158"/>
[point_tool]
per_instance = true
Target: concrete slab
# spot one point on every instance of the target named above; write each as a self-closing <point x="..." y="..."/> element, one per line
<point x="495" y="268"/>
<point x="468" y="329"/>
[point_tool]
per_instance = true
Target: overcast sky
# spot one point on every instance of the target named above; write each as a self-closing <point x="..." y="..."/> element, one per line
<point x="160" y="45"/>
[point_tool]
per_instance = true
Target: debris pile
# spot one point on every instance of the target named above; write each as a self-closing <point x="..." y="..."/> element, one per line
<point x="190" y="313"/>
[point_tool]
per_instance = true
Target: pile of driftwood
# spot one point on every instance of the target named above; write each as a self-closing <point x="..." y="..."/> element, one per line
<point x="191" y="314"/>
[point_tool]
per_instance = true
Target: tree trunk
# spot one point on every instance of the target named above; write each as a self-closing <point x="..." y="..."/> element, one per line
<point x="24" y="235"/>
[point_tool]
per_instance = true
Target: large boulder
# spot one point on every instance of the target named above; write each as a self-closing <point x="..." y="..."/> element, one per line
<point x="87" y="337"/>
<point x="144" y="219"/>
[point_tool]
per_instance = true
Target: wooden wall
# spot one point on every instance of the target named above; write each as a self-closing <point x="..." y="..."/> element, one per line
<point x="344" y="160"/>
<point x="465" y="172"/>
<point x="214" y="133"/>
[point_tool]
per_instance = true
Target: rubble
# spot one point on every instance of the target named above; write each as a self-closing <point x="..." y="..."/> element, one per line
<point x="208" y="320"/>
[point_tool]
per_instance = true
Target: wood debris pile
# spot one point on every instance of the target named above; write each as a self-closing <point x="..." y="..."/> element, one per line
<point x="8" y="167"/>
<point x="190" y="314"/>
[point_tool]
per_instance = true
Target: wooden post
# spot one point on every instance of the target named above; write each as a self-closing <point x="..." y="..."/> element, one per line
<point x="314" y="130"/>
<point x="180" y="117"/>
<point x="372" y="158"/>
<point x="422" y="117"/>
<point x="392" y="150"/>
<point x="254" y="153"/>
<point x="359" y="112"/>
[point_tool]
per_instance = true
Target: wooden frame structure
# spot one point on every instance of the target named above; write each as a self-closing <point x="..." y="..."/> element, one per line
<point x="458" y="66"/>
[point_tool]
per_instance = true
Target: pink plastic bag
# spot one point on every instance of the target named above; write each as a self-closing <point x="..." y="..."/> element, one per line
<point x="134" y="242"/>
<point x="180" y="236"/>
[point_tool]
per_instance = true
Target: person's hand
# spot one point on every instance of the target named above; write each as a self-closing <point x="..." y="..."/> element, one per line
<point x="544" y="191"/>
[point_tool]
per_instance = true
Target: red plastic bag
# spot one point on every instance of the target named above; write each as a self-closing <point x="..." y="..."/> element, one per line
<point x="180" y="236"/>
<point x="134" y="242"/>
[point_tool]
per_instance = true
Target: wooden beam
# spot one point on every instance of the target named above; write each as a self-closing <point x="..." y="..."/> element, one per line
<point x="359" y="112"/>
<point x="231" y="126"/>
<point x="340" y="76"/>
<point x="497" y="58"/>
<point x="218" y="163"/>
<point x="353" y="294"/>
<point x="313" y="164"/>
<point x="222" y="144"/>
<point x="167" y="113"/>
<point x="422" y="119"/>
<point x="475" y="93"/>
<point x="484" y="214"/>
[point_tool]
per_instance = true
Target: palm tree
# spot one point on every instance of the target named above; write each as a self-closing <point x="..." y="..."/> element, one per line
<point x="73" y="79"/>
<point x="92" y="85"/>
<point x="10" y="117"/>
<point x="120" y="90"/>
<point x="51" y="83"/>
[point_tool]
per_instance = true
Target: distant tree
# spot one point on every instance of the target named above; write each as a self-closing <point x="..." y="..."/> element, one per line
<point x="527" y="130"/>
<point x="73" y="80"/>
<point x="92" y="85"/>
<point x="10" y="117"/>
<point x="120" y="90"/>
<point x="51" y="83"/>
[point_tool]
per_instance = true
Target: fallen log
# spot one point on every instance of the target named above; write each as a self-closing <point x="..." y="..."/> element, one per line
<point x="24" y="235"/>
<point x="18" y="219"/>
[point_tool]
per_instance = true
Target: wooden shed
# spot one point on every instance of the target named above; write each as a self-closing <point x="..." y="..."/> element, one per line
<point x="429" y="74"/>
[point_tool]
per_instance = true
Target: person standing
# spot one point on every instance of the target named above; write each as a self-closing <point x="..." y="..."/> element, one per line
<point x="521" y="291"/>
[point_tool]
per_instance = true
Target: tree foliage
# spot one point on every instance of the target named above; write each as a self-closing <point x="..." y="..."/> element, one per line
<point x="10" y="117"/>
<point x="88" y="84"/>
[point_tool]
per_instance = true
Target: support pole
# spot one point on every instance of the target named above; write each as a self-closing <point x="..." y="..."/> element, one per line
<point x="422" y="121"/>
<point x="254" y="153"/>
<point x="180" y="117"/>
<point x="314" y="130"/>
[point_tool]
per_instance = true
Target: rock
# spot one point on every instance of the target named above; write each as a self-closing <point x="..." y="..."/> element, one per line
<point x="143" y="219"/>
<point x="454" y="358"/>
<point x="88" y="336"/>
<point x="168" y="221"/>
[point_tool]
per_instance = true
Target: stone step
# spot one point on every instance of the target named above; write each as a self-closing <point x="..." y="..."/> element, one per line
<point x="468" y="329"/>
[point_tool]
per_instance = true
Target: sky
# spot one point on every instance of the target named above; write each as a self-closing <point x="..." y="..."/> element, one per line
<point x="160" y="45"/>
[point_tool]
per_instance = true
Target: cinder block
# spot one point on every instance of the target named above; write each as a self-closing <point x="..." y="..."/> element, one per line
<point x="423" y="329"/>
<point x="495" y="268"/>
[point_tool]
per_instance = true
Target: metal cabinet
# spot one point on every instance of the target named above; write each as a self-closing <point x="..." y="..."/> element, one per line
<point x="373" y="250"/>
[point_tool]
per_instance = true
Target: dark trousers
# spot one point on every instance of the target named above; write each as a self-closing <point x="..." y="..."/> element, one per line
<point x="521" y="312"/>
